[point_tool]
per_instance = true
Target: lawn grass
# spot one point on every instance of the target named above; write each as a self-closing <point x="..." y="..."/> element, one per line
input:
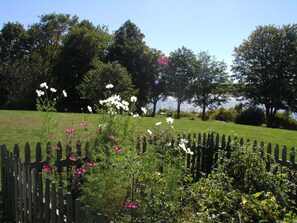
<point x="19" y="127"/>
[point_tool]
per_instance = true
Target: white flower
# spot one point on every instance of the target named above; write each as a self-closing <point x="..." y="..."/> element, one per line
<point x="64" y="93"/>
<point x="144" y="110"/>
<point x="168" y="144"/>
<point x="183" y="141"/>
<point x="44" y="85"/>
<point x="170" y="120"/>
<point x="53" y="90"/>
<point x="40" y="93"/>
<point x="149" y="132"/>
<point x="158" y="123"/>
<point x="133" y="99"/>
<point x="109" y="86"/>
<point x="90" y="109"/>
<point x="188" y="151"/>
<point x="135" y="115"/>
<point x="182" y="145"/>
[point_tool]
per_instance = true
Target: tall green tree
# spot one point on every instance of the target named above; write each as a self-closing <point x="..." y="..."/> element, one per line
<point x="15" y="67"/>
<point x="130" y="50"/>
<point x="46" y="38"/>
<point x="265" y="68"/>
<point x="81" y="46"/>
<point x="210" y="83"/>
<point x="180" y="74"/>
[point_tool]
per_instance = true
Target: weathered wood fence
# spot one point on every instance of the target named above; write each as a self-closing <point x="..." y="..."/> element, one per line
<point x="29" y="197"/>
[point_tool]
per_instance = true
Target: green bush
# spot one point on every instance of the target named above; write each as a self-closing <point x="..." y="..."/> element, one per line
<point x="242" y="190"/>
<point x="222" y="114"/>
<point x="285" y="121"/>
<point x="251" y="116"/>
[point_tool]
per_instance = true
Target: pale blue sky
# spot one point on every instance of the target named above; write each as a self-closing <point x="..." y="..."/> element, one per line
<point x="216" y="26"/>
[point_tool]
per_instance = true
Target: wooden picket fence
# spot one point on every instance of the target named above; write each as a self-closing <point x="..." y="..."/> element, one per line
<point x="29" y="197"/>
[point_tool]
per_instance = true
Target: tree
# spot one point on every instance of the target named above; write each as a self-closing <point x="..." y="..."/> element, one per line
<point x="84" y="44"/>
<point x="46" y="40"/>
<point x="15" y="67"/>
<point x="265" y="68"/>
<point x="210" y="84"/>
<point x="158" y="64"/>
<point x="93" y="85"/>
<point x="129" y="49"/>
<point x="179" y="74"/>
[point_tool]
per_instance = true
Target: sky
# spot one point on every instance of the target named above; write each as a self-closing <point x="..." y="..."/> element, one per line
<point x="215" y="26"/>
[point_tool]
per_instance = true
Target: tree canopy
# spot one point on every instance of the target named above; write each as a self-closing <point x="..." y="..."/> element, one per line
<point x="180" y="73"/>
<point x="210" y="85"/>
<point x="265" y="68"/>
<point x="130" y="50"/>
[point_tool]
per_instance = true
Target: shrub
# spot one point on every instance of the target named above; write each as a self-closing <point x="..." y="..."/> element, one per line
<point x="235" y="192"/>
<point x="285" y="120"/>
<point x="222" y="114"/>
<point x="251" y="116"/>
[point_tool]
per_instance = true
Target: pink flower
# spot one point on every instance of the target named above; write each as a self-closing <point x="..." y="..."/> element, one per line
<point x="70" y="130"/>
<point x="84" y="124"/>
<point x="130" y="204"/>
<point x="47" y="169"/>
<point x="90" y="164"/>
<point x="112" y="137"/>
<point x="52" y="136"/>
<point x="78" y="184"/>
<point x="116" y="148"/>
<point x="79" y="172"/>
<point x="100" y="131"/>
<point x="72" y="159"/>
<point x="163" y="60"/>
<point x="57" y="147"/>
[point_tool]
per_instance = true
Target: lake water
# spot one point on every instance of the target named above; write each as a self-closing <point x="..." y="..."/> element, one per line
<point x="171" y="104"/>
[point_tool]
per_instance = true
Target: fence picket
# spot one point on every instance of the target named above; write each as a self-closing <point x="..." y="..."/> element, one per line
<point x="47" y="200"/>
<point x="34" y="195"/>
<point x="69" y="207"/>
<point x="53" y="215"/>
<point x="77" y="211"/>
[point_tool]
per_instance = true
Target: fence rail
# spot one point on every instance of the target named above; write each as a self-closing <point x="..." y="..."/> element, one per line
<point x="29" y="197"/>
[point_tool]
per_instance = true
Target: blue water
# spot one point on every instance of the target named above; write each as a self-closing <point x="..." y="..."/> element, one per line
<point x="171" y="104"/>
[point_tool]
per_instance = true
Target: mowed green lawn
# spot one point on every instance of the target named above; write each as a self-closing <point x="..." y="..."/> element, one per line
<point x="19" y="127"/>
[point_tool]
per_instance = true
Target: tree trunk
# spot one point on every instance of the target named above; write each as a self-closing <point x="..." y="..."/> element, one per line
<point x="178" y="108"/>
<point x="203" y="112"/>
<point x="154" y="108"/>
<point x="270" y="115"/>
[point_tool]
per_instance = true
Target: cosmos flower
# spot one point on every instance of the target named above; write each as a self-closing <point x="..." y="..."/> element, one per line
<point x="109" y="86"/>
<point x="133" y="99"/>
<point x="44" y="85"/>
<point x="130" y="204"/>
<point x="64" y="93"/>
<point x="53" y="90"/>
<point x="116" y="148"/>
<point x="40" y="93"/>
